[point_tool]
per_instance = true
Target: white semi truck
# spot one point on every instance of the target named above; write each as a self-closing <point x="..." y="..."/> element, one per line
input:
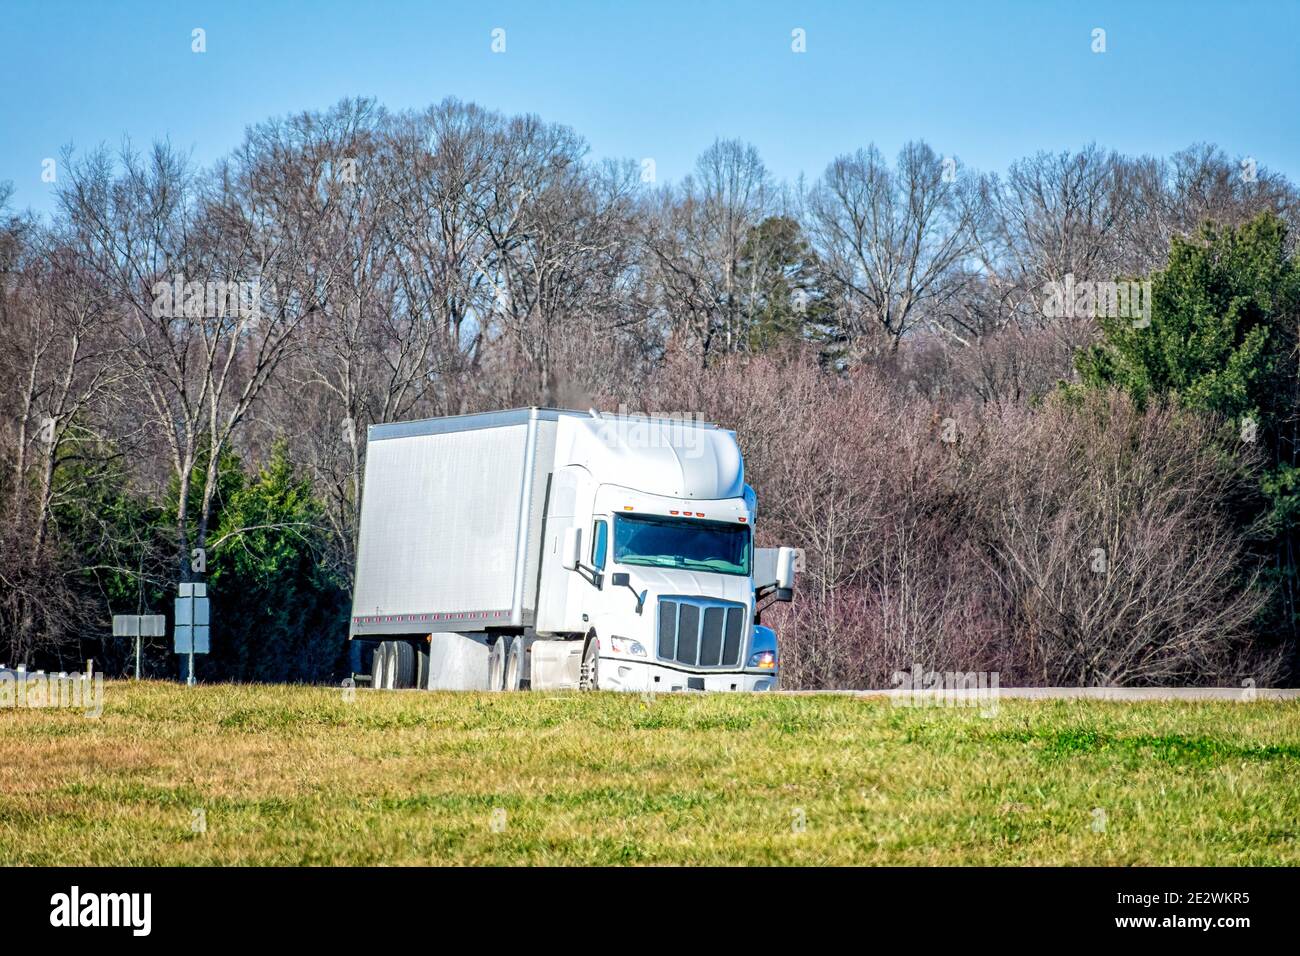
<point x="546" y="548"/>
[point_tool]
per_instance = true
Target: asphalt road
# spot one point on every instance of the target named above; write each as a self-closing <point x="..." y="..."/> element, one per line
<point x="1243" y="694"/>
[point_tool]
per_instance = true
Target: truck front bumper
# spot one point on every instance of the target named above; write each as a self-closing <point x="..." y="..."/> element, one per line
<point x="624" y="673"/>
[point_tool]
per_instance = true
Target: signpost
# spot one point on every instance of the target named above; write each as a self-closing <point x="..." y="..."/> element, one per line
<point x="139" y="626"/>
<point x="191" y="627"/>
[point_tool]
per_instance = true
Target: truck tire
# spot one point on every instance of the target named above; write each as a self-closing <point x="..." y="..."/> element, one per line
<point x="497" y="657"/>
<point x="516" y="678"/>
<point x="380" y="667"/>
<point x="589" y="675"/>
<point x="402" y="657"/>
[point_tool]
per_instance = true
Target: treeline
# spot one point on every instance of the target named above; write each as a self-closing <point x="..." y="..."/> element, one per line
<point x="1040" y="422"/>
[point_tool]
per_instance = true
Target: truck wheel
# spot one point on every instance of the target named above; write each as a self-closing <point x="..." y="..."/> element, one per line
<point x="380" y="668"/>
<point x="589" y="675"/>
<point x="514" y="677"/>
<point x="402" y="657"/>
<point x="497" y="662"/>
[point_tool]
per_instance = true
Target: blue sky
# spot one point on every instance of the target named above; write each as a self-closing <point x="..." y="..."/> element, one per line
<point x="986" y="82"/>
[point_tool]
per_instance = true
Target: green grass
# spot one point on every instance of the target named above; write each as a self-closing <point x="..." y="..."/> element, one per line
<point x="288" y="775"/>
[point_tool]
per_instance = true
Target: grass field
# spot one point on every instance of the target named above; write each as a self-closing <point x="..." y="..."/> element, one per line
<point x="287" y="775"/>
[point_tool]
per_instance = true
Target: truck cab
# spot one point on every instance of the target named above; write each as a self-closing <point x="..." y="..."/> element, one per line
<point x="651" y="557"/>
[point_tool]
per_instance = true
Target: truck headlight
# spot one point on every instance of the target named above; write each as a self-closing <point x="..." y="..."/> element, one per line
<point x="625" y="645"/>
<point x="762" y="649"/>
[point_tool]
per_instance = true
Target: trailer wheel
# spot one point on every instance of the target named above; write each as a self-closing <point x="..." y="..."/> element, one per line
<point x="403" y="664"/>
<point x="589" y="674"/>
<point x="497" y="662"/>
<point x="381" y="669"/>
<point x="514" y="677"/>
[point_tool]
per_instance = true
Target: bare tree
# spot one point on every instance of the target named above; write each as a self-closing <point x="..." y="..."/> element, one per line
<point x="1107" y="530"/>
<point x="697" y="238"/>
<point x="895" y="241"/>
<point x="62" y="368"/>
<point x="211" y="283"/>
<point x="561" y="246"/>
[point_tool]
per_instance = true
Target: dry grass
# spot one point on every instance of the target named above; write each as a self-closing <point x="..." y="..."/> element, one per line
<point x="293" y="775"/>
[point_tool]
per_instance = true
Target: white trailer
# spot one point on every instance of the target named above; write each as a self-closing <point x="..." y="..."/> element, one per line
<point x="547" y="548"/>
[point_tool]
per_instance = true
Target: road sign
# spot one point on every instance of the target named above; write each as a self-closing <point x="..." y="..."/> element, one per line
<point x="139" y="626"/>
<point x="192" y="619"/>
<point x="190" y="635"/>
<point x="192" y="640"/>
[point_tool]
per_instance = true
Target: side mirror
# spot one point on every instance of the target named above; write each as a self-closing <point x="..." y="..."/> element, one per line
<point x="785" y="561"/>
<point x="571" y="549"/>
<point x="620" y="579"/>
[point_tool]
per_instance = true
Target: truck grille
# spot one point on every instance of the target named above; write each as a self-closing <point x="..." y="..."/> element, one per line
<point x="700" y="633"/>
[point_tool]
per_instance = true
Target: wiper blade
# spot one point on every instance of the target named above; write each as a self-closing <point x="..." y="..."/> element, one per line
<point x="713" y="564"/>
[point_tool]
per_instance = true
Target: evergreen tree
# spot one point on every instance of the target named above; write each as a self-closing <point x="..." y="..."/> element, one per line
<point x="277" y="614"/>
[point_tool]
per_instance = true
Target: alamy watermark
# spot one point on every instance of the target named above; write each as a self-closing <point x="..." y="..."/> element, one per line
<point x="1085" y="299"/>
<point x="133" y="911"/>
<point x="926" y="688"/>
<point x="37" y="690"/>
<point x="677" y="430"/>
<point x="212" y="299"/>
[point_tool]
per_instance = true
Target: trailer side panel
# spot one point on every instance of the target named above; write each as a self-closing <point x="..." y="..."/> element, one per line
<point x="450" y="524"/>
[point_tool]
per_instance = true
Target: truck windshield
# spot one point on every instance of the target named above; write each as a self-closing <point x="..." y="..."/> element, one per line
<point x="676" y="543"/>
